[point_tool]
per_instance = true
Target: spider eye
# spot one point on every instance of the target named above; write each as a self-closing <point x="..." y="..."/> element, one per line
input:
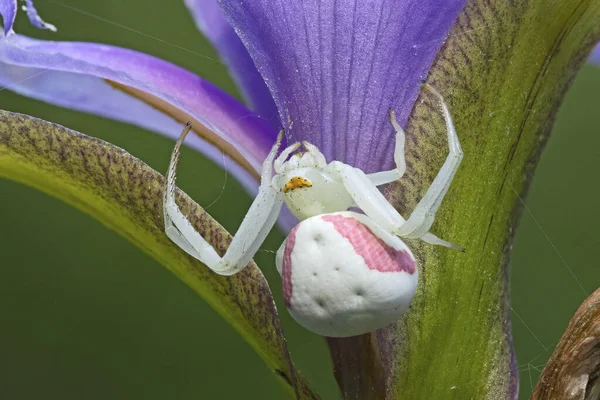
<point x="295" y="183"/>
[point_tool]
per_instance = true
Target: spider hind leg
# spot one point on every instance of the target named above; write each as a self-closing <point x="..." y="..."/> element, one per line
<point x="422" y="217"/>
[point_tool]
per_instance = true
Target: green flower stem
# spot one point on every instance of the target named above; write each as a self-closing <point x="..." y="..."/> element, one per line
<point x="504" y="71"/>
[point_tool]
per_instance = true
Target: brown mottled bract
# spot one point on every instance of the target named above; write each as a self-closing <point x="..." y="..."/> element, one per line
<point x="126" y="195"/>
<point x="573" y="371"/>
<point x="503" y="71"/>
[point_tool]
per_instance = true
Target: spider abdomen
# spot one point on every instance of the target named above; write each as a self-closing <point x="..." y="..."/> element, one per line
<point x="343" y="275"/>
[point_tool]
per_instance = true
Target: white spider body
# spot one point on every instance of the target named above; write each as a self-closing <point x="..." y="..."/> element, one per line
<point x="343" y="273"/>
<point x="326" y="193"/>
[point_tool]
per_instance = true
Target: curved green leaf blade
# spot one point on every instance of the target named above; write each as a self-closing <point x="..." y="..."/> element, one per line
<point x="503" y="71"/>
<point x="126" y="195"/>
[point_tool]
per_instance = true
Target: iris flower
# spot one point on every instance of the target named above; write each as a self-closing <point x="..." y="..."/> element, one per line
<point x="327" y="72"/>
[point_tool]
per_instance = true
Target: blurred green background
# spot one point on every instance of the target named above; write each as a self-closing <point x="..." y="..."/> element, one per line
<point x="75" y="322"/>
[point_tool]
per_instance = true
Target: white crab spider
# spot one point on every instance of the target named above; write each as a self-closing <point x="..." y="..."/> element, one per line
<point x="344" y="273"/>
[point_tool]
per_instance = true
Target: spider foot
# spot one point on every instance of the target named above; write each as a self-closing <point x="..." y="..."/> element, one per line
<point x="432" y="239"/>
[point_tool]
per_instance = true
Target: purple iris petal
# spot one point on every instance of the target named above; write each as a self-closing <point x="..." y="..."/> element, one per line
<point x="335" y="67"/>
<point x="247" y="133"/>
<point x="8" y="11"/>
<point x="96" y="96"/>
<point x="595" y="56"/>
<point x="211" y="21"/>
<point x="77" y="75"/>
<point x="35" y="18"/>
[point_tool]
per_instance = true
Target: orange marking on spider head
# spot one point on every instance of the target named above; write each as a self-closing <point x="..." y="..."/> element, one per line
<point x="295" y="183"/>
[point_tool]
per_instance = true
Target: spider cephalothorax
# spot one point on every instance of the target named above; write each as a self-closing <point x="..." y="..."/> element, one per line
<point x="344" y="273"/>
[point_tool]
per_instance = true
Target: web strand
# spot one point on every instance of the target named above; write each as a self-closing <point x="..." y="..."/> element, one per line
<point x="552" y="244"/>
<point x="99" y="18"/>
<point x="224" y="183"/>
<point x="529" y="329"/>
<point x="24" y="80"/>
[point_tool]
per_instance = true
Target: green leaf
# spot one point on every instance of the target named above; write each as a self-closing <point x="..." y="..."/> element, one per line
<point x="126" y="195"/>
<point x="503" y="71"/>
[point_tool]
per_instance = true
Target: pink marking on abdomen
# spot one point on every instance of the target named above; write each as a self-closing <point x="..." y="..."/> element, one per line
<point x="377" y="254"/>
<point x="286" y="268"/>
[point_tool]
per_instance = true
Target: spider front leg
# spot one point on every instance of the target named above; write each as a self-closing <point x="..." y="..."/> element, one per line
<point x="383" y="177"/>
<point x="369" y="199"/>
<point x="362" y="189"/>
<point x="257" y="223"/>
<point x="423" y="215"/>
